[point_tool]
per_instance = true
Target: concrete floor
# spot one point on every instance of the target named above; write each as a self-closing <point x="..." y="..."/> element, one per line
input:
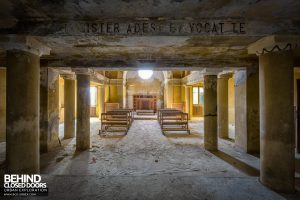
<point x="148" y="165"/>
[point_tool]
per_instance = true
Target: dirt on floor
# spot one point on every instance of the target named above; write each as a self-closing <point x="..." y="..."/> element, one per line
<point x="145" y="164"/>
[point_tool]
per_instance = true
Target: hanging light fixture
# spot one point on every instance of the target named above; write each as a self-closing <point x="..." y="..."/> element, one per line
<point x="145" y="74"/>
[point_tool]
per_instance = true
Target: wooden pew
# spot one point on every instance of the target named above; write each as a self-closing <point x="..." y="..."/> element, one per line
<point x="111" y="106"/>
<point x="160" y="111"/>
<point x="125" y="110"/>
<point x="174" y="120"/>
<point x="114" y="119"/>
<point x="178" y="106"/>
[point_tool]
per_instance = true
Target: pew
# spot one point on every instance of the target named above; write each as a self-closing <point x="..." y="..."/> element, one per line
<point x="160" y="111"/>
<point x="124" y="110"/>
<point x="112" y="119"/>
<point x="111" y="106"/>
<point x="173" y="120"/>
<point x="178" y="106"/>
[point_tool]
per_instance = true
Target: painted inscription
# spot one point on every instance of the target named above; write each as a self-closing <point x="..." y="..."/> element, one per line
<point x="156" y="28"/>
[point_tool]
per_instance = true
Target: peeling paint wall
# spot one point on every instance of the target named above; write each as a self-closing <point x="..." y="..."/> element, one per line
<point x="116" y="94"/>
<point x="177" y="94"/>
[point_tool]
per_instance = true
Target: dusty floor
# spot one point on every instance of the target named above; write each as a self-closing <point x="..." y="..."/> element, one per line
<point x="148" y="165"/>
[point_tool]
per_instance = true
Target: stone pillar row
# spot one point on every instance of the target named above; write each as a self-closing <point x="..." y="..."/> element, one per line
<point x="277" y="159"/>
<point x="32" y="108"/>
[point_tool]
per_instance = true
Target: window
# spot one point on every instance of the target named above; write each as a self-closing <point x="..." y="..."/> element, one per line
<point x="93" y="93"/>
<point x="195" y="95"/>
<point x="201" y="95"/>
<point x="198" y="96"/>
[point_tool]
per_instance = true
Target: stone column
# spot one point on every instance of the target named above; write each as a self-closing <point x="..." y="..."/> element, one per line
<point x="276" y="90"/>
<point x="49" y="109"/>
<point x="210" y="113"/>
<point x="187" y="100"/>
<point x="247" y="110"/>
<point x="277" y="156"/>
<point x="2" y="104"/>
<point x="102" y="99"/>
<point x="22" y="131"/>
<point x="223" y="105"/>
<point x="83" y="111"/>
<point x="69" y="105"/>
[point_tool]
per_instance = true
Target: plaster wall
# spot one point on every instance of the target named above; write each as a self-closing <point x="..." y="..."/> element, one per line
<point x="61" y="100"/>
<point x="231" y="110"/>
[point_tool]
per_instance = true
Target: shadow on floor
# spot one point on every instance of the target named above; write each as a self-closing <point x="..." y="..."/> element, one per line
<point x="255" y="155"/>
<point x="251" y="171"/>
<point x="112" y="136"/>
<point x="229" y="139"/>
<point x="179" y="135"/>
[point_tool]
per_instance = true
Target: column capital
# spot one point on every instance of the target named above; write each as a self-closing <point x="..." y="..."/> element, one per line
<point x="116" y="81"/>
<point x="174" y="81"/>
<point x="225" y="75"/>
<point x="68" y="76"/>
<point x="274" y="43"/>
<point x="193" y="77"/>
<point x="24" y="43"/>
<point x="83" y="71"/>
<point x="209" y="71"/>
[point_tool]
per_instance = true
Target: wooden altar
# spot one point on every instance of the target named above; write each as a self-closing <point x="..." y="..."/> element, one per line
<point x="144" y="102"/>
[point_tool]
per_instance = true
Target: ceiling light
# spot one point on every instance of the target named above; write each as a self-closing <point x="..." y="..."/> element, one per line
<point x="145" y="74"/>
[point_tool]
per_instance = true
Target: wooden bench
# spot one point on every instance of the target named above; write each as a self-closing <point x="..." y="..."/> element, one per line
<point x="124" y="110"/>
<point x="145" y="112"/>
<point x="111" y="106"/>
<point x="160" y="111"/>
<point x="178" y="106"/>
<point x="112" y="119"/>
<point x="171" y="120"/>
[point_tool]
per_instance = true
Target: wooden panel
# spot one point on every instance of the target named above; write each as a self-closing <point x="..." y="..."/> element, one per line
<point x="144" y="102"/>
<point x="197" y="111"/>
<point x="93" y="112"/>
<point x="111" y="106"/>
<point x="178" y="106"/>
